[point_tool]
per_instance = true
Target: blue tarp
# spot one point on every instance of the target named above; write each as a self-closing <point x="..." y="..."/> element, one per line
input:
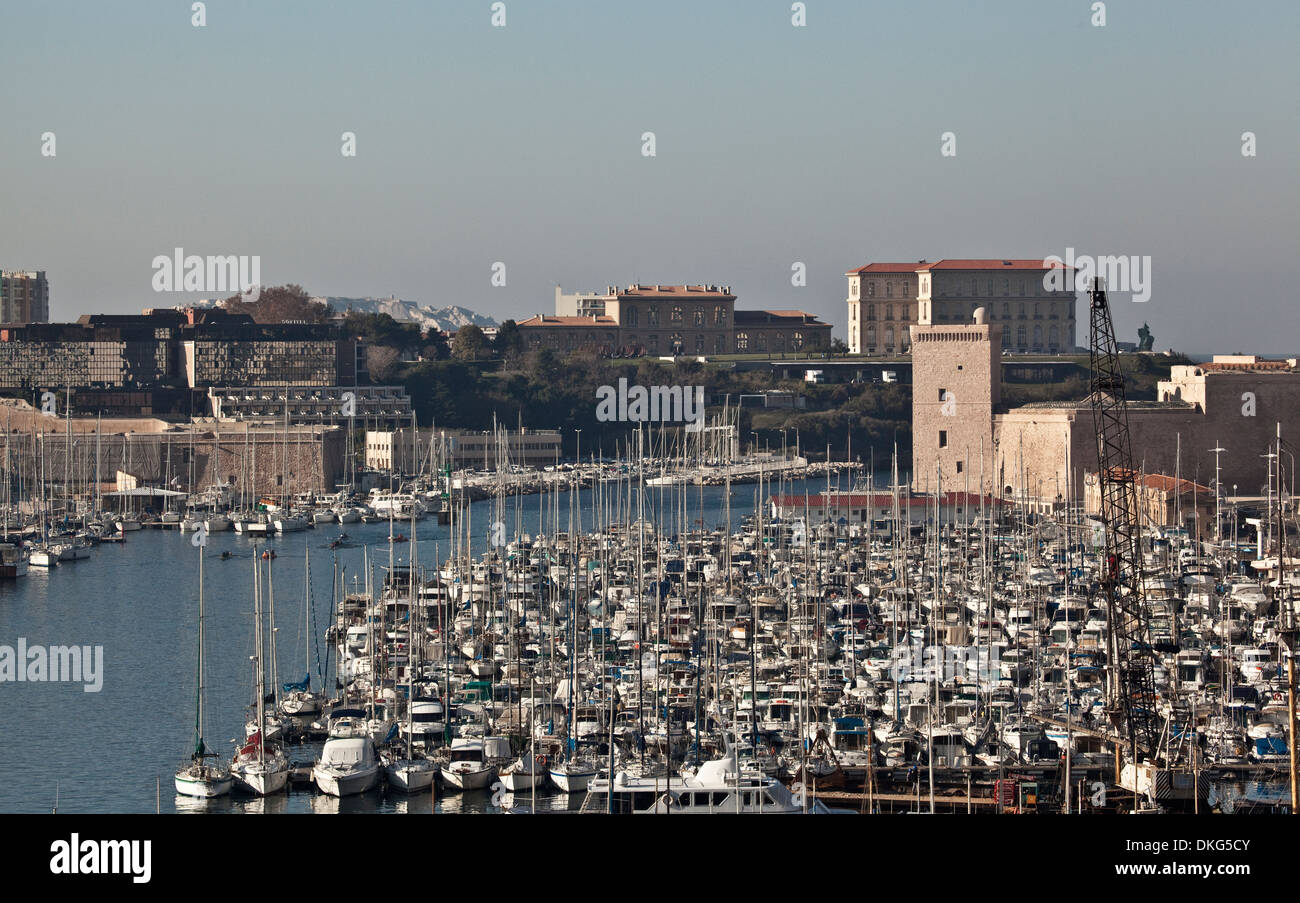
<point x="1270" y="746"/>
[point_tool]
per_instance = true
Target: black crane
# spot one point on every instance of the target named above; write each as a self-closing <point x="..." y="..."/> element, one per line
<point x="1131" y="659"/>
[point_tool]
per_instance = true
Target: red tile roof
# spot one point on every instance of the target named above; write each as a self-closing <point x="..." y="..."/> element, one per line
<point x="1166" y="483"/>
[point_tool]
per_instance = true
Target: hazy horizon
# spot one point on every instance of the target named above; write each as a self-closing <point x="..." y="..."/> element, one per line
<point x="775" y="144"/>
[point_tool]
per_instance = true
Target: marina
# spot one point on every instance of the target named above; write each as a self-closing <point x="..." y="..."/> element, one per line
<point x="627" y="647"/>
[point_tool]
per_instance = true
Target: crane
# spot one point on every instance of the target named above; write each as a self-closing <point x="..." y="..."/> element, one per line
<point x="1131" y="696"/>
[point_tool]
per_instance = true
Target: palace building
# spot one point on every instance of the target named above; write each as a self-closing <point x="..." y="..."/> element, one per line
<point x="671" y="319"/>
<point x="887" y="299"/>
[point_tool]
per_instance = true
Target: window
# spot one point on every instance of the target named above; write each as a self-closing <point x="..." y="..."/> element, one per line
<point x="742" y="341"/>
<point x="632" y="316"/>
<point x="1006" y="310"/>
<point x="871" y="311"/>
<point x="677" y="314"/>
<point x="871" y="290"/>
<point x="889" y="311"/>
<point x="699" y="317"/>
<point x="943" y="438"/>
<point x="652" y="316"/>
<point x="889" y="289"/>
<point x="943" y="394"/>
<point x="719" y="316"/>
<point x="853" y="289"/>
<point x="959" y="467"/>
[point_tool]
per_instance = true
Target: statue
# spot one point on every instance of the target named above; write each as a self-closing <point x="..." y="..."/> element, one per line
<point x="1145" y="339"/>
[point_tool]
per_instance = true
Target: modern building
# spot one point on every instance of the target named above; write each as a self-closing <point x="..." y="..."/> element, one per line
<point x="223" y="349"/>
<point x="671" y="319"/>
<point x="165" y="361"/>
<point x="24" y="296"/>
<point x="886" y="299"/>
<point x="375" y="405"/>
<point x="398" y="451"/>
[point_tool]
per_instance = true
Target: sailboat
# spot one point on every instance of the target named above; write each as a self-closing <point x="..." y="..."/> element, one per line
<point x="198" y="777"/>
<point x="411" y="774"/>
<point x="258" y="767"/>
<point x="299" y="698"/>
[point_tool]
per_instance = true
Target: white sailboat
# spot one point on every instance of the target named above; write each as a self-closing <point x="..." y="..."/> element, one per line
<point x="198" y="777"/>
<point x="411" y="773"/>
<point x="260" y="768"/>
<point x="299" y="698"/>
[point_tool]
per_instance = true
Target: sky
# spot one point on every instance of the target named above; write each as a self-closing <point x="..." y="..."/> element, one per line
<point x="775" y="144"/>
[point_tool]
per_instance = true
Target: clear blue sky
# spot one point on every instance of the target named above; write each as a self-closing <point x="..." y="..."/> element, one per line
<point x="775" y="144"/>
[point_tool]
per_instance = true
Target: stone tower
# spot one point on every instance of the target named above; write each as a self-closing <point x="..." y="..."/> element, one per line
<point x="956" y="384"/>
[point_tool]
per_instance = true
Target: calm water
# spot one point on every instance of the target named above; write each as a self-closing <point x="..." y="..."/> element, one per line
<point x="108" y="751"/>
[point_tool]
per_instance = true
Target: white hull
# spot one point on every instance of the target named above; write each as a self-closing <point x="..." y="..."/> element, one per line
<point x="477" y="779"/>
<point x="411" y="778"/>
<point x="349" y="784"/>
<point x="205" y="786"/>
<point x="575" y="782"/>
<point x="515" y="781"/>
<point x="262" y="780"/>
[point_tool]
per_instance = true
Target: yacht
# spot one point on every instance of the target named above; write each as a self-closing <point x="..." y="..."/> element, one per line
<point x="470" y="765"/>
<point x="717" y="787"/>
<point x="347" y="766"/>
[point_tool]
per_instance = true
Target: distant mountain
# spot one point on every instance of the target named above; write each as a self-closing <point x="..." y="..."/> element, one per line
<point x="447" y="319"/>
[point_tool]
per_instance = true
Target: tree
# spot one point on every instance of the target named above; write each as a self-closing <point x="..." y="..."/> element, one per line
<point x="280" y="304"/>
<point x="383" y="363"/>
<point x="382" y="329"/>
<point x="469" y="343"/>
<point x="509" y="340"/>
<point x="435" y="346"/>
